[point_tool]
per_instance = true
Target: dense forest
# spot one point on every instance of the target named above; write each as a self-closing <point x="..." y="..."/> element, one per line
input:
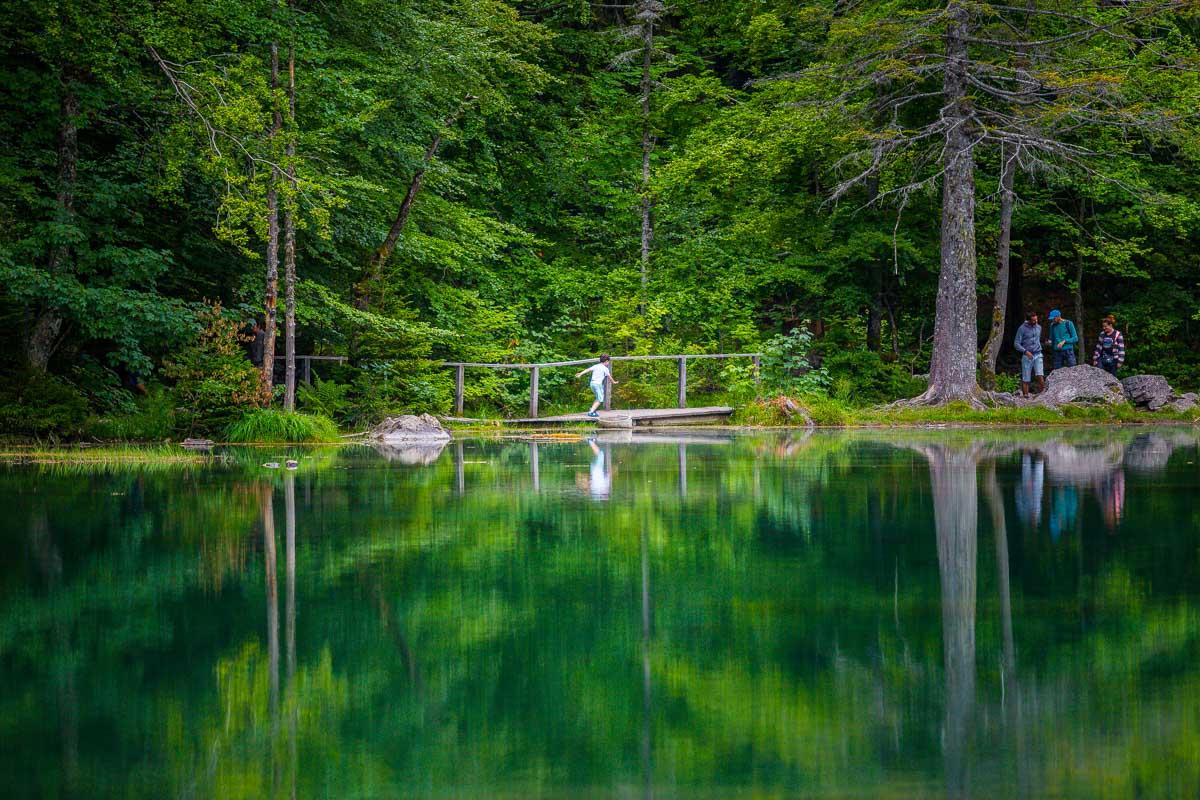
<point x="865" y="191"/>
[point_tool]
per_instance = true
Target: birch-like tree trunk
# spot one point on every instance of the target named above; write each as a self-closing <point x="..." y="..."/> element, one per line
<point x="289" y="245"/>
<point x="44" y="332"/>
<point x="270" y="299"/>
<point x="952" y="368"/>
<point x="995" y="340"/>
<point x="648" y="12"/>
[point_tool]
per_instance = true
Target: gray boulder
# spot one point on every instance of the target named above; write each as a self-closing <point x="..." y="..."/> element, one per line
<point x="409" y="428"/>
<point x="1081" y="384"/>
<point x="1149" y="392"/>
<point x="1184" y="402"/>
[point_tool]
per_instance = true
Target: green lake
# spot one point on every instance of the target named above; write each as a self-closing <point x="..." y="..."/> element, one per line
<point x="870" y="614"/>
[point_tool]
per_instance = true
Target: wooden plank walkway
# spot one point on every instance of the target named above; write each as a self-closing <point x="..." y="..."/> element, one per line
<point x="628" y="417"/>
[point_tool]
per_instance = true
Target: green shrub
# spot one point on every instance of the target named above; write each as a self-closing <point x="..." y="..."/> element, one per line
<point x="38" y="404"/>
<point x="1007" y="383"/>
<point x="214" y="381"/>
<point x="862" y="377"/>
<point x="759" y="413"/>
<point x="787" y="367"/>
<point x="151" y="418"/>
<point x="828" y="411"/>
<point x="273" y="425"/>
<point x="102" y="387"/>
<point x="325" y="397"/>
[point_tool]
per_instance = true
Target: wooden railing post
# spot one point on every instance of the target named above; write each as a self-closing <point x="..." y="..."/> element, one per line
<point x="683" y="382"/>
<point x="459" y="379"/>
<point x="757" y="359"/>
<point x="608" y="393"/>
<point x="534" y="375"/>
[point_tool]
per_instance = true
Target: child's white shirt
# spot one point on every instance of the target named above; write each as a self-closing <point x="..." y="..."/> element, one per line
<point x="599" y="373"/>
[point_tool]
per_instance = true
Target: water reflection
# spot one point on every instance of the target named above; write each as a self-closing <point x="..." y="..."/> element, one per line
<point x="810" y="615"/>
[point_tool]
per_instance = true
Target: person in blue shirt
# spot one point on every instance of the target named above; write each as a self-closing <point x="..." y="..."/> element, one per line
<point x="1063" y="339"/>
<point x="1028" y="342"/>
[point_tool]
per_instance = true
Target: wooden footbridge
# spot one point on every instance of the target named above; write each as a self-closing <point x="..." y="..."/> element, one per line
<point x="609" y="418"/>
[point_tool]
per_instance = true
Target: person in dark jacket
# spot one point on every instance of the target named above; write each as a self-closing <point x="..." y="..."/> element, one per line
<point x="1110" y="347"/>
<point x="1063" y="338"/>
<point x="1028" y="343"/>
<point x="258" y="344"/>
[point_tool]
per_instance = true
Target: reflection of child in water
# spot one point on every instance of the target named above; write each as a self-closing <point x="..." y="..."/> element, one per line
<point x="598" y="483"/>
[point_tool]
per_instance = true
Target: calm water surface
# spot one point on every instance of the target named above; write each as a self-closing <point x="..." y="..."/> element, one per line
<point x="870" y="615"/>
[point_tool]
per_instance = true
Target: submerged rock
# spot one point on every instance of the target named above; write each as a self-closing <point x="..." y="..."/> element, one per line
<point x="1149" y="392"/>
<point x="1081" y="384"/>
<point x="409" y="428"/>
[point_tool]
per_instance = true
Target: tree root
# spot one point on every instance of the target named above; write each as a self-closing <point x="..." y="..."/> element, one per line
<point x="934" y="396"/>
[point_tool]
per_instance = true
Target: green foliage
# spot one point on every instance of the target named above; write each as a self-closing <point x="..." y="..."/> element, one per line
<point x="325" y="397"/>
<point x="214" y="380"/>
<point x="787" y="366"/>
<point x="37" y="404"/>
<point x="523" y="243"/>
<point x="863" y="378"/>
<point x="273" y="425"/>
<point x="149" y="418"/>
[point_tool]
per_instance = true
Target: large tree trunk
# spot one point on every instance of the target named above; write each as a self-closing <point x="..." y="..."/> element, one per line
<point x="648" y="13"/>
<point x="952" y="368"/>
<point x="289" y="246"/>
<point x="271" y="295"/>
<point x="44" y="332"/>
<point x="991" y="350"/>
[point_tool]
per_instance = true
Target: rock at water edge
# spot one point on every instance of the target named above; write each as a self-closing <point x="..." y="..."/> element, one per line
<point x="409" y="428"/>
<point x="1081" y="384"/>
<point x="1150" y="392"/>
<point x="1185" y="402"/>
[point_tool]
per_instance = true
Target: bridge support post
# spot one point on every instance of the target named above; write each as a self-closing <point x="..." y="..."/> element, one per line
<point x="534" y="376"/>
<point x="459" y="379"/>
<point x="683" y="383"/>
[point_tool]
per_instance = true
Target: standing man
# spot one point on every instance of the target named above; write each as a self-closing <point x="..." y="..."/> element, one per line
<point x="1029" y="344"/>
<point x="1110" y="347"/>
<point x="1063" y="338"/>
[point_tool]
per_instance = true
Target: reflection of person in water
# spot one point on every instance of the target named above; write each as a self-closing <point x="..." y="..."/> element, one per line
<point x="1111" y="493"/>
<point x="1029" y="490"/>
<point x="1064" y="506"/>
<point x="599" y="480"/>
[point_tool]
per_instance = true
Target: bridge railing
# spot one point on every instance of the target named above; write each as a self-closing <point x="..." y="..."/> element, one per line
<point x="535" y="372"/>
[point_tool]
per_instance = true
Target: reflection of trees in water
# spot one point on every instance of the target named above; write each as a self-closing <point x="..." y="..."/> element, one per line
<point x="61" y="663"/>
<point x="953" y="488"/>
<point x="764" y="652"/>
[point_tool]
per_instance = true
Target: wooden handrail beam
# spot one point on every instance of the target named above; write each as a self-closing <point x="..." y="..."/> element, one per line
<point x="580" y="361"/>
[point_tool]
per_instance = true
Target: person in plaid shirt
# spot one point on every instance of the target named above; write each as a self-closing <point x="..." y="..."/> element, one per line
<point x="1110" y="347"/>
